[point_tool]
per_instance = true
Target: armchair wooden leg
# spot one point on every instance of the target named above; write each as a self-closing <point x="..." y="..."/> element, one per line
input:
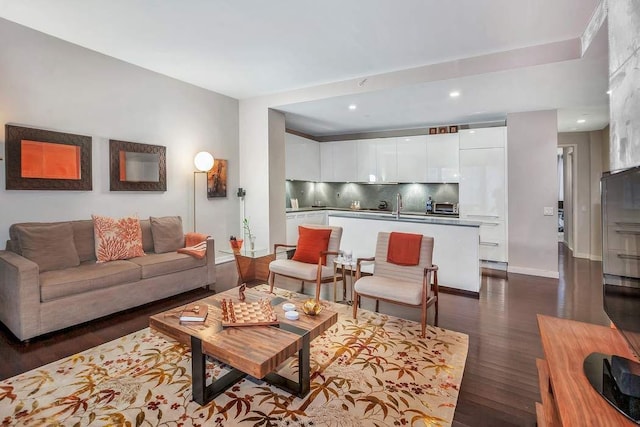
<point x="356" y="302"/>
<point x="302" y="287"/>
<point x="270" y="280"/>
<point x="318" y="284"/>
<point x="423" y="320"/>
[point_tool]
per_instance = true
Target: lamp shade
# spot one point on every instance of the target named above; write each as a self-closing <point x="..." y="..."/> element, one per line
<point x="203" y="161"/>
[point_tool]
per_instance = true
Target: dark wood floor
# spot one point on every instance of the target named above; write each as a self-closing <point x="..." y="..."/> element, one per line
<point x="499" y="387"/>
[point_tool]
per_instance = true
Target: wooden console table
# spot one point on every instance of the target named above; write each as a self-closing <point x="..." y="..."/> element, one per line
<point x="568" y="399"/>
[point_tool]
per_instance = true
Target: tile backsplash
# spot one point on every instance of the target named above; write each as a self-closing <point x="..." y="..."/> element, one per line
<point x="340" y="195"/>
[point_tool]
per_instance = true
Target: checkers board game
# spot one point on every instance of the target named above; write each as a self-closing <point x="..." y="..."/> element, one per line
<point x="247" y="313"/>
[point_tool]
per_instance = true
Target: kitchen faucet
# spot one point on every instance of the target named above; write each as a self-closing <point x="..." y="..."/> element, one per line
<point x="398" y="205"/>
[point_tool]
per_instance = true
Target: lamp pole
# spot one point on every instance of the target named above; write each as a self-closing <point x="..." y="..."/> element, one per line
<point x="204" y="162"/>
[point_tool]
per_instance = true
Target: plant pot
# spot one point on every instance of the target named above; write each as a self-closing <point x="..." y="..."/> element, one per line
<point x="236" y="245"/>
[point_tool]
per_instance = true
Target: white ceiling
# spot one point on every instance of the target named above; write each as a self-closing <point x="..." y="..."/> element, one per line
<point x="248" y="48"/>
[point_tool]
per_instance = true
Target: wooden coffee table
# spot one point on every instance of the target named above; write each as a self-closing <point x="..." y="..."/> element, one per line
<point x="252" y="350"/>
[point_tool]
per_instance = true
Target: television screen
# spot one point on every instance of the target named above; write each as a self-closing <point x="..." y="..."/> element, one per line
<point x="621" y="252"/>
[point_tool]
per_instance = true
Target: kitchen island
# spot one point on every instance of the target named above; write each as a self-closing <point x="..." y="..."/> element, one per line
<point x="455" y="251"/>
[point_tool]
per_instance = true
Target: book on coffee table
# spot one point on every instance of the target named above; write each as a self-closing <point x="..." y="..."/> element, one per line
<point x="194" y="313"/>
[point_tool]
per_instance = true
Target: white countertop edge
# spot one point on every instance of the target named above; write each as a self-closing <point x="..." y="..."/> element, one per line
<point x="417" y="219"/>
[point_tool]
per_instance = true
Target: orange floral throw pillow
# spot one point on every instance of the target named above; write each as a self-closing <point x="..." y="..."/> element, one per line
<point x="312" y="241"/>
<point x="117" y="238"/>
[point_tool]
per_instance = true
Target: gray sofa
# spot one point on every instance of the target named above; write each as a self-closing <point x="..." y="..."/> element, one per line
<point x="34" y="302"/>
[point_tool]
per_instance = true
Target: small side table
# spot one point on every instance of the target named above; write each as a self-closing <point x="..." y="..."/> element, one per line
<point x="344" y="264"/>
<point x="252" y="264"/>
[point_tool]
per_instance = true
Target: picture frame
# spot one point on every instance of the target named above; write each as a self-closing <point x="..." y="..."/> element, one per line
<point x="25" y="152"/>
<point x="145" y="158"/>
<point x="217" y="179"/>
<point x="453" y="129"/>
<point x="443" y="129"/>
<point x="433" y="131"/>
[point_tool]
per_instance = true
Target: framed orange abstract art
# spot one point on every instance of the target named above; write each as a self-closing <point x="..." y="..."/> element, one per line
<point x="217" y="179"/>
<point x="39" y="159"/>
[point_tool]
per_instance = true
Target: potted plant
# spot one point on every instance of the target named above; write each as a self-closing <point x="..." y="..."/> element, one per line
<point x="248" y="234"/>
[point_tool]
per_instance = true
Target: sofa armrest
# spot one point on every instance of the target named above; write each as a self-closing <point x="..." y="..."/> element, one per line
<point x="211" y="262"/>
<point x="19" y="295"/>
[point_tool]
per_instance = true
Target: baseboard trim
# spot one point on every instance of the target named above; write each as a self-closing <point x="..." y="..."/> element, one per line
<point x="581" y="255"/>
<point x="533" y="272"/>
<point x="460" y="292"/>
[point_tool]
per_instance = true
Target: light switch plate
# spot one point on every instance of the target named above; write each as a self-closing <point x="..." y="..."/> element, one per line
<point x="548" y="210"/>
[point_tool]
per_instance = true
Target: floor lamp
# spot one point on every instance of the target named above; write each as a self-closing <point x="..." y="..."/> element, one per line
<point x="204" y="163"/>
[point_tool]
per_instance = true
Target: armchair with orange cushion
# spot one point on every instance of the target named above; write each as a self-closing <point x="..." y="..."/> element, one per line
<point x="312" y="261"/>
<point x="403" y="274"/>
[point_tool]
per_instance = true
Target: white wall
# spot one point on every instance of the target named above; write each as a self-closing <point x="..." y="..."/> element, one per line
<point x="624" y="78"/>
<point x="533" y="184"/>
<point x="51" y="84"/>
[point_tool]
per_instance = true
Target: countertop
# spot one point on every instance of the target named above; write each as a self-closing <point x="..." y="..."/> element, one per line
<point x="387" y="215"/>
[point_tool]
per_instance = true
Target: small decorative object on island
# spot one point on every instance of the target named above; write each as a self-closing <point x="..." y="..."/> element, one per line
<point x="236" y="244"/>
<point x="311" y="307"/>
<point x="248" y="235"/>
<point x="241" y="295"/>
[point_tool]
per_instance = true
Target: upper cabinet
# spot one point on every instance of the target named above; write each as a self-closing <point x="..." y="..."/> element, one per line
<point x="367" y="170"/>
<point x="412" y="158"/>
<point x="302" y="158"/>
<point x="483" y="138"/>
<point x="386" y="160"/>
<point x="338" y="161"/>
<point x="442" y="158"/>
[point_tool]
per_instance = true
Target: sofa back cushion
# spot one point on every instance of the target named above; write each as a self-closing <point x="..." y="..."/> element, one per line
<point x="167" y="234"/>
<point x="147" y="238"/>
<point x="84" y="240"/>
<point x="51" y="246"/>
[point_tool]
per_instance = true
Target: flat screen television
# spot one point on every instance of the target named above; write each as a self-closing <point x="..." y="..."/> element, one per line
<point x="617" y="378"/>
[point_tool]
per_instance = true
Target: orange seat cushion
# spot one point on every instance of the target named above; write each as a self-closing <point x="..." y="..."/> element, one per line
<point x="312" y="241"/>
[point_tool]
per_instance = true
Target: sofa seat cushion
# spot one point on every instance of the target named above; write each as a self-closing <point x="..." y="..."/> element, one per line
<point x="154" y="265"/>
<point x="86" y="277"/>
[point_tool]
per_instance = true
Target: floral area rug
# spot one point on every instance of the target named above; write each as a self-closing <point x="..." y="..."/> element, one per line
<point x="371" y="371"/>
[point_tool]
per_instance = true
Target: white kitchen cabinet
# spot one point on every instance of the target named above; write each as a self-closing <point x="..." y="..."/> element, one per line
<point x="412" y="158"/>
<point x="302" y="158"/>
<point x="366" y="164"/>
<point x="482" y="187"/>
<point x="483" y="195"/>
<point x="483" y="138"/>
<point x="386" y="160"/>
<point x="295" y="219"/>
<point x="442" y="158"/>
<point x="326" y="162"/>
<point x="338" y="161"/>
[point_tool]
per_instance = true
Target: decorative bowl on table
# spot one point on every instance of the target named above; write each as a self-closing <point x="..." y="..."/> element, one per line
<point x="311" y="307"/>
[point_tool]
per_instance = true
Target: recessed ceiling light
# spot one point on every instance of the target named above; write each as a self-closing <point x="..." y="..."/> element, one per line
<point x="609" y="92"/>
<point x="472" y="131"/>
<point x="580" y="121"/>
<point x="454" y="94"/>
<point x="353" y="107"/>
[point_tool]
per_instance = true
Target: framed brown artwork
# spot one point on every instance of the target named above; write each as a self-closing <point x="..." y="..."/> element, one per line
<point x="433" y="131"/>
<point x="39" y="159"/>
<point x="137" y="167"/>
<point x="453" y="129"/>
<point x="217" y="179"/>
<point x="443" y="129"/>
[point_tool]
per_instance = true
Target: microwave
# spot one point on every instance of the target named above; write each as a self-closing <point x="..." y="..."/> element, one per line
<point x="445" y="208"/>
